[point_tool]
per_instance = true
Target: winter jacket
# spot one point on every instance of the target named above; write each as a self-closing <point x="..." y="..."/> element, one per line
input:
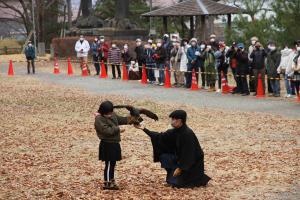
<point x="182" y="54"/>
<point x="160" y="55"/>
<point x="94" y="48"/>
<point x="242" y="62"/>
<point x="148" y="56"/>
<point x="139" y="51"/>
<point x="286" y="62"/>
<point x="30" y="52"/>
<point x="84" y="46"/>
<point x="103" y="51"/>
<point x="114" y="56"/>
<point x="220" y="60"/>
<point x="126" y="57"/>
<point x="273" y="61"/>
<point x="258" y="58"/>
<point x="108" y="129"/>
<point x="174" y="59"/>
<point x="192" y="55"/>
<point x="231" y="55"/>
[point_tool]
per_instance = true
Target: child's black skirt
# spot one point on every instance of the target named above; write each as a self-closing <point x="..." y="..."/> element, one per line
<point x="109" y="151"/>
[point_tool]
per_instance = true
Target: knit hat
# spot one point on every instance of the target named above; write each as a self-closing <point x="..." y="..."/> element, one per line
<point x="193" y="40"/>
<point x="241" y="46"/>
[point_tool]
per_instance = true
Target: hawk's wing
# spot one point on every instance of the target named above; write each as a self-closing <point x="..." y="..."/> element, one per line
<point x="149" y="114"/>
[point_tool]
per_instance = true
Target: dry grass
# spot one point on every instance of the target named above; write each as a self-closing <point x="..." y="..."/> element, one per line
<point x="49" y="149"/>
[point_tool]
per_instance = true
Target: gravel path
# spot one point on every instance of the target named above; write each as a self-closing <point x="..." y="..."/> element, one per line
<point x="133" y="89"/>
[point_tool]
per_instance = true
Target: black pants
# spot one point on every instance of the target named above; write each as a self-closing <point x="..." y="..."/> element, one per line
<point x="28" y="66"/>
<point x="109" y="170"/>
<point x="96" y="64"/>
<point x="242" y="84"/>
<point x="114" y="70"/>
<point x="234" y="72"/>
<point x="225" y="71"/>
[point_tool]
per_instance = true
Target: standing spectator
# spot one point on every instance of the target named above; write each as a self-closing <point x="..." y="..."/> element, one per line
<point x="182" y="54"/>
<point x="231" y="55"/>
<point x="30" y="56"/>
<point x="242" y="70"/>
<point x="210" y="69"/>
<point x="95" y="47"/>
<point x="192" y="55"/>
<point x="114" y="58"/>
<point x="258" y="56"/>
<point x="296" y="68"/>
<point x="273" y="61"/>
<point x="160" y="56"/>
<point x="167" y="45"/>
<point x="139" y="51"/>
<point x="285" y="67"/>
<point x="103" y="51"/>
<point x="221" y="65"/>
<point x="254" y="39"/>
<point x="174" y="62"/>
<point x="126" y="56"/>
<point x="201" y="59"/>
<point x="213" y="42"/>
<point x="82" y="48"/>
<point x="150" y="62"/>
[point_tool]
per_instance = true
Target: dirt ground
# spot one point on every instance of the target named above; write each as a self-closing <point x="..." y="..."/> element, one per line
<point x="49" y="149"/>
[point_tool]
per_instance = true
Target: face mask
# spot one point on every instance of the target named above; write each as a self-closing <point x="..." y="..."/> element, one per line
<point x="96" y="40"/>
<point x="212" y="39"/>
<point x="113" y="46"/>
<point x="298" y="48"/>
<point x="81" y="39"/>
<point x="272" y="48"/>
<point x="101" y="40"/>
<point x="208" y="47"/>
<point x="193" y="43"/>
<point x="158" y="44"/>
<point x="30" y="45"/>
<point x="253" y="42"/>
<point x="202" y="46"/>
<point x="138" y="44"/>
<point x="185" y="43"/>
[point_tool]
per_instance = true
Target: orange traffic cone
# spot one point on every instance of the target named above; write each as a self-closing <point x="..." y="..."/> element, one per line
<point x="299" y="98"/>
<point x="194" y="81"/>
<point x="70" y="69"/>
<point x="225" y="88"/>
<point x="10" y="69"/>
<point x="56" y="68"/>
<point x="84" y="71"/>
<point x="144" y="75"/>
<point x="125" y="73"/>
<point x="260" y="90"/>
<point x="103" y="70"/>
<point x="167" y="79"/>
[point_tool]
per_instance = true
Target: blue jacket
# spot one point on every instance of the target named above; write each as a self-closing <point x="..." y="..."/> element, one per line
<point x="94" y="48"/>
<point x="148" y="56"/>
<point x="191" y="54"/>
<point x="30" y="52"/>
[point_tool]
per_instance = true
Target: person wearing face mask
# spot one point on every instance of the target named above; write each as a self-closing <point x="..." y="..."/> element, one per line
<point x="82" y="48"/>
<point x="126" y="56"/>
<point x="213" y="42"/>
<point x="103" y="51"/>
<point x="30" y="56"/>
<point x="139" y="58"/>
<point x="108" y="131"/>
<point x="150" y="62"/>
<point x="201" y="59"/>
<point x="285" y="67"/>
<point x="114" y="58"/>
<point x="95" y="47"/>
<point x="160" y="57"/>
<point x="182" y="55"/>
<point x="175" y="63"/>
<point x="273" y="61"/>
<point x="253" y="40"/>
<point x="296" y="68"/>
<point x="193" y="54"/>
<point x="231" y="55"/>
<point x="258" y="57"/>
<point x="242" y="69"/>
<point x="179" y="152"/>
<point x="221" y="65"/>
<point x="210" y="69"/>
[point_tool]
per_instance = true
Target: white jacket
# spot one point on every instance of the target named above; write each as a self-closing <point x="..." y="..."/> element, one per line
<point x="85" y="46"/>
<point x="183" y="58"/>
<point x="286" y="63"/>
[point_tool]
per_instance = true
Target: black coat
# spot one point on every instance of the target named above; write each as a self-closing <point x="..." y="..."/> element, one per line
<point x="242" y="62"/>
<point x="139" y="51"/>
<point x="184" y="144"/>
<point x="258" y="56"/>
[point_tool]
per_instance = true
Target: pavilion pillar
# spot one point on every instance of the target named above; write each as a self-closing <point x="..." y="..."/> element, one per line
<point x="229" y="22"/>
<point x="182" y="26"/>
<point x="165" y="24"/>
<point x="202" y="28"/>
<point x="191" y="26"/>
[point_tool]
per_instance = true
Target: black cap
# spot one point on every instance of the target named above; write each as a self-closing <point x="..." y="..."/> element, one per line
<point x="297" y="42"/>
<point x="106" y="107"/>
<point x="179" y="114"/>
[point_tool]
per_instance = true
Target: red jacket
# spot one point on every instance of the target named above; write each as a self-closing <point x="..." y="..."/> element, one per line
<point x="103" y="51"/>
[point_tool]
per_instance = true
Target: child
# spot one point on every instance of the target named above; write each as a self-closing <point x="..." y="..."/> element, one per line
<point x="108" y="131"/>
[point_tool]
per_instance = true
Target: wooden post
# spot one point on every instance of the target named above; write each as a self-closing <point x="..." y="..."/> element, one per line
<point x="191" y="26"/>
<point x="202" y="29"/>
<point x="229" y="21"/>
<point x="182" y="26"/>
<point x="165" y="24"/>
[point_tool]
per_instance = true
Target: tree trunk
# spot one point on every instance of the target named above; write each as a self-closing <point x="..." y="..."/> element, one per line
<point x="122" y="9"/>
<point x="69" y="6"/>
<point x="86" y="7"/>
<point x="40" y="9"/>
